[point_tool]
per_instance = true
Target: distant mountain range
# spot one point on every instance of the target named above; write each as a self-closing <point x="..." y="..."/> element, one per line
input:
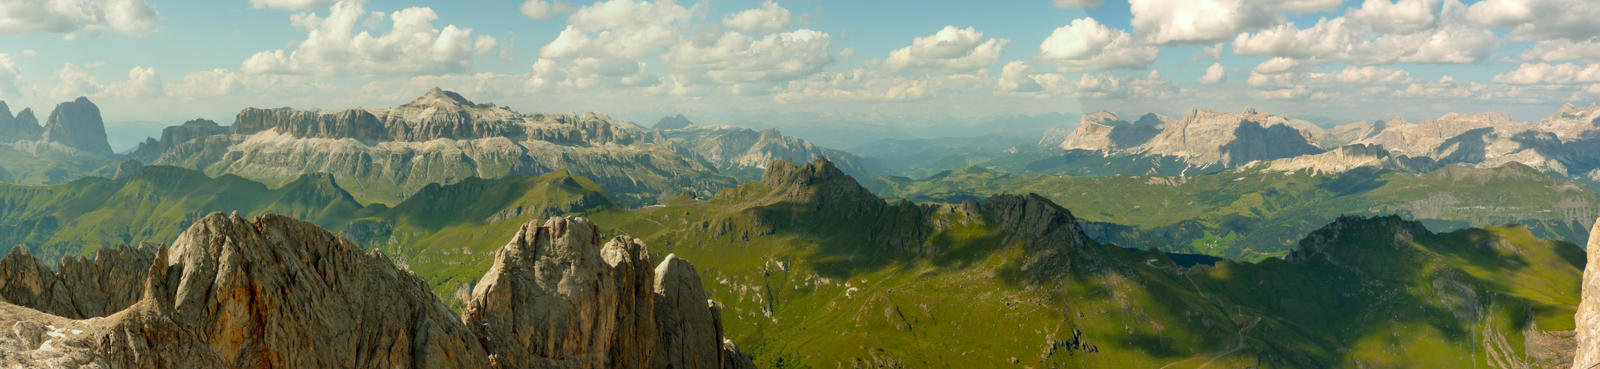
<point x="386" y="154"/>
<point x="1567" y="143"/>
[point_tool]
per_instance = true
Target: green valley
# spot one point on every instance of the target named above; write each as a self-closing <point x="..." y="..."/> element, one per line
<point x="813" y="270"/>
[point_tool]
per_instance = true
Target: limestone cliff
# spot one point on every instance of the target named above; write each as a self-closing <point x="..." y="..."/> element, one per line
<point x="1588" y="317"/>
<point x="77" y="124"/>
<point x="23" y="126"/>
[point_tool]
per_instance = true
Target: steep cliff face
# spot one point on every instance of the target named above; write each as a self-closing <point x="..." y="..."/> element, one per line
<point x="556" y="297"/>
<point x="1232" y="139"/>
<point x="1588" y="317"/>
<point x="77" y="124"/>
<point x="82" y="288"/>
<point x="1103" y="131"/>
<point x="23" y="126"/>
<point x="386" y="155"/>
<point x="151" y="149"/>
<point x="355" y="124"/>
<point x="281" y="293"/>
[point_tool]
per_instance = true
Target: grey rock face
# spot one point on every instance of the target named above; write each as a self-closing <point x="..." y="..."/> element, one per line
<point x="77" y="124"/>
<point x="636" y="333"/>
<point x="23" y="126"/>
<point x="151" y="149"/>
<point x="352" y="123"/>
<point x="690" y="330"/>
<point x="1588" y="317"/>
<point x="548" y="301"/>
<point x="83" y="288"/>
<point x="280" y="293"/>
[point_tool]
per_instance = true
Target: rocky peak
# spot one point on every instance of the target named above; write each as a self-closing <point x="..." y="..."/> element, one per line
<point x="235" y="292"/>
<point x="1346" y="236"/>
<point x="1104" y="131"/>
<point x="818" y="176"/>
<point x="673" y="122"/>
<point x="77" y="124"/>
<point x="439" y="98"/>
<point x="1588" y="316"/>
<point x="1052" y="237"/>
<point x="1344" y="159"/>
<point x="555" y="297"/>
<point x="1208" y="137"/>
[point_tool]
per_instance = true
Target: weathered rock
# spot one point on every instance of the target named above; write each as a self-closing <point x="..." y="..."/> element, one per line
<point x="1103" y="131"/>
<point x="21" y="127"/>
<point x="690" y="330"/>
<point x="1588" y="316"/>
<point x="83" y="288"/>
<point x="151" y="149"/>
<point x="636" y="331"/>
<point x="277" y="292"/>
<point x="548" y="301"/>
<point x="281" y="293"/>
<point x="77" y="124"/>
<point x="673" y="122"/>
<point x="351" y="123"/>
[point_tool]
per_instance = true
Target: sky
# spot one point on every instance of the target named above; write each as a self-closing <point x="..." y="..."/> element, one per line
<point x="925" y="67"/>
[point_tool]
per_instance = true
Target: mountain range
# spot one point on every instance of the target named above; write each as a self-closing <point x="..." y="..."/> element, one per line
<point x="812" y="269"/>
<point x="1566" y="144"/>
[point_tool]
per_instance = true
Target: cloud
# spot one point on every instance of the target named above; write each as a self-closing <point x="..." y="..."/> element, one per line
<point x="1401" y="16"/>
<point x="289" y="4"/>
<point x="768" y="18"/>
<point x="1540" y="19"/>
<point x="1563" y="50"/>
<point x="860" y="85"/>
<point x="411" y="47"/>
<point x="951" y="49"/>
<point x="29" y="53"/>
<point x="618" y="28"/>
<point x="543" y="9"/>
<point x="1108" y="86"/>
<point x="1342" y="40"/>
<point x="1550" y="74"/>
<point x="746" y="64"/>
<point x="1017" y="76"/>
<point x="211" y="83"/>
<point x="1164" y="22"/>
<point x="142" y="83"/>
<point x="1075" y="4"/>
<point x="1086" y="44"/>
<point x="10" y="75"/>
<point x="1215" y="74"/>
<point x="72" y="81"/>
<point x="132" y="17"/>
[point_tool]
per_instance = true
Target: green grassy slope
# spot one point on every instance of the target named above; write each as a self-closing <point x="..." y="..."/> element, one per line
<point x="815" y="271"/>
<point x="1252" y="214"/>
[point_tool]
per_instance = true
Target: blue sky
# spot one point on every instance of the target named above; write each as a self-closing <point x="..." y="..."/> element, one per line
<point x="809" y="60"/>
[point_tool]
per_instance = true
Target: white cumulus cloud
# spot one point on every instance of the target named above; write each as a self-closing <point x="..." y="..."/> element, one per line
<point x="133" y="17"/>
<point x="1209" y="21"/>
<point x="289" y="4"/>
<point x="543" y="9"/>
<point x="412" y="46"/>
<point x="1086" y="44"/>
<point x="951" y="49"/>
<point x="769" y="18"/>
<point x="1540" y="19"/>
<point x="1215" y="74"/>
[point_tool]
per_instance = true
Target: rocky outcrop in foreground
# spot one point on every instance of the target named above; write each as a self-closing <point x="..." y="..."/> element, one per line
<point x="282" y="293"/>
<point x="1588" y="317"/>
